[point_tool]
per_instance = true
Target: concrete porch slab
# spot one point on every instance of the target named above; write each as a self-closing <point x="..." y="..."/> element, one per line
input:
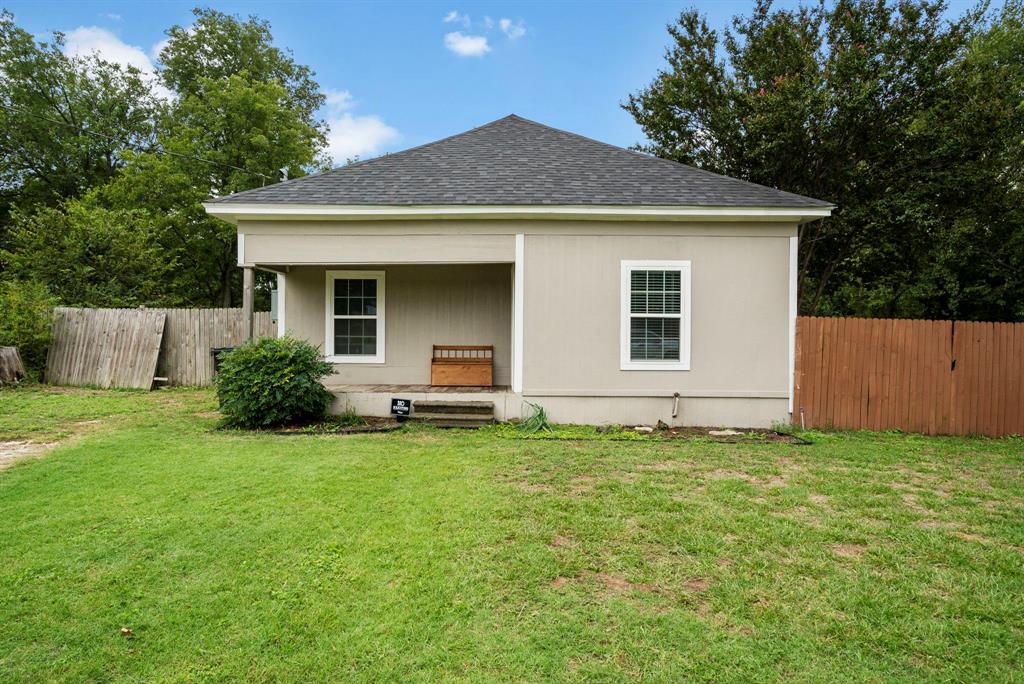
<point x="375" y="400"/>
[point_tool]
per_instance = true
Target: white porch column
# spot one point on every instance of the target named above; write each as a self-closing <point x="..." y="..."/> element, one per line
<point x="794" y="255"/>
<point x="518" y="289"/>
<point x="281" y="298"/>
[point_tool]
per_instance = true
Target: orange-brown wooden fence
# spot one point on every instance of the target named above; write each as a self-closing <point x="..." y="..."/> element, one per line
<point x="935" y="377"/>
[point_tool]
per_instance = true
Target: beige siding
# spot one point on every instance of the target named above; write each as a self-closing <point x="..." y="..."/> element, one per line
<point x="425" y="305"/>
<point x="705" y="411"/>
<point x="739" y="340"/>
<point x="739" y="328"/>
<point x="375" y="249"/>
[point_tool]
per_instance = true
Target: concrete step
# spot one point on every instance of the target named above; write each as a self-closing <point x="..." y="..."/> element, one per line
<point x="449" y="422"/>
<point x="487" y="418"/>
<point x="478" y="408"/>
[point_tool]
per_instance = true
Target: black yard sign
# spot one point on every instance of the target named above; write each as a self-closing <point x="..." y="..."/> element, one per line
<point x="401" y="407"/>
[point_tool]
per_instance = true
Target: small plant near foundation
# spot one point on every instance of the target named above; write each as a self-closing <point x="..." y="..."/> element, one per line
<point x="536" y="422"/>
<point x="272" y="382"/>
<point x="348" y="418"/>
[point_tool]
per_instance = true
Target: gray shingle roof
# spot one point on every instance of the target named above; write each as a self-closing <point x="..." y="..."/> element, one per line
<point x="513" y="161"/>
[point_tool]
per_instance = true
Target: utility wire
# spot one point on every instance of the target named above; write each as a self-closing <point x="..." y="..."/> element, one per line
<point x="157" y="151"/>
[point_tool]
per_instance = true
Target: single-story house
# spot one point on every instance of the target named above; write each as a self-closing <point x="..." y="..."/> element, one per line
<point x="605" y="285"/>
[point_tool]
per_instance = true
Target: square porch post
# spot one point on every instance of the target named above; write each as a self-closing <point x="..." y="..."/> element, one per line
<point x="518" y="312"/>
<point x="248" y="294"/>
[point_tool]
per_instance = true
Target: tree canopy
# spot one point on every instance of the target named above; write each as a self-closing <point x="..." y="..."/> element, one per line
<point x="911" y="123"/>
<point x="242" y="113"/>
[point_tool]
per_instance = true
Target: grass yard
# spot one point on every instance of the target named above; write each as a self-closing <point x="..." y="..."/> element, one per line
<point x="424" y="555"/>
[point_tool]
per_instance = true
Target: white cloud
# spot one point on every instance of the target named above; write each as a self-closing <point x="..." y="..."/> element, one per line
<point x="454" y="16"/>
<point x="338" y="100"/>
<point x="466" y="46"/>
<point x="513" y="31"/>
<point x="88" y="40"/>
<point x="488" y="23"/>
<point x="352" y="135"/>
<point x="111" y="16"/>
<point x="158" y="47"/>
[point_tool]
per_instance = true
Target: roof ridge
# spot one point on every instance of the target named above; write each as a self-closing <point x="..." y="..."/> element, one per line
<point x="386" y="155"/>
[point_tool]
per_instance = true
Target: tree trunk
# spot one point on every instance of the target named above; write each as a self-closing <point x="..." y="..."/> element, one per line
<point x="11" y="368"/>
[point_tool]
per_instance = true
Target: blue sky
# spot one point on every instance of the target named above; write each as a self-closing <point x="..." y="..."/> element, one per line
<point x="404" y="73"/>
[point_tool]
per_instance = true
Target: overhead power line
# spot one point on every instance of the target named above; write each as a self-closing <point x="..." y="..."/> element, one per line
<point x="156" y="151"/>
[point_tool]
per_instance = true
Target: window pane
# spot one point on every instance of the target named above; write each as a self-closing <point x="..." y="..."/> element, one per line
<point x="655" y="292"/>
<point x="355" y="336"/>
<point x="654" y="339"/>
<point x="355" y="297"/>
<point x="672" y="302"/>
<point x="638" y="302"/>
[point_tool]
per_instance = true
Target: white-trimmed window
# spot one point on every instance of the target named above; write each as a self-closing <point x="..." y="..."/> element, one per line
<point x="655" y="315"/>
<point x="355" y="317"/>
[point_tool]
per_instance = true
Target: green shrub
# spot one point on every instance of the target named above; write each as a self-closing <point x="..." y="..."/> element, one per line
<point x="26" y="316"/>
<point x="270" y="382"/>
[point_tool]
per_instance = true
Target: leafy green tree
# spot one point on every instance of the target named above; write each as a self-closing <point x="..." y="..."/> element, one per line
<point x="247" y="110"/>
<point x="899" y="116"/>
<point x="90" y="256"/>
<point x="64" y="121"/>
<point x="217" y="46"/>
<point x="26" y="318"/>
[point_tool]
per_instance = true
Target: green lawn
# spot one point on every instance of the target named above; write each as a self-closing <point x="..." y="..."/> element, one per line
<point x="425" y="555"/>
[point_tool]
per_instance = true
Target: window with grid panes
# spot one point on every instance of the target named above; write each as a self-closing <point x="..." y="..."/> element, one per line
<point x="654" y="315"/>
<point x="355" y="316"/>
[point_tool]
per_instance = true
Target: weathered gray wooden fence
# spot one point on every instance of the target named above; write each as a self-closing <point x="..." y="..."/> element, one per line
<point x="129" y="347"/>
<point x="191" y="333"/>
<point x="104" y="347"/>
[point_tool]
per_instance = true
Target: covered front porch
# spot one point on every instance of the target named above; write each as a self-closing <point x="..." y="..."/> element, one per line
<point x="379" y="298"/>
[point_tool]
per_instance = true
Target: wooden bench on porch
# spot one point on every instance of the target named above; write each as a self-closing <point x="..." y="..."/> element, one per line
<point x="461" y="364"/>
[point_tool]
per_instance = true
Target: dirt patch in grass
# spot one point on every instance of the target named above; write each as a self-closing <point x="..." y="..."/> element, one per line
<point x="696" y="584"/>
<point x="561" y="541"/>
<point x="801" y="515"/>
<point x="911" y="502"/>
<point x="613" y="584"/>
<point x="722" y="474"/>
<point x="534" y="487"/>
<point x="849" y="550"/>
<point x="582" y="484"/>
<point x="769" y="481"/>
<point x="663" y="466"/>
<point x="560" y="582"/>
<point x="819" y="499"/>
<point x="14" y="451"/>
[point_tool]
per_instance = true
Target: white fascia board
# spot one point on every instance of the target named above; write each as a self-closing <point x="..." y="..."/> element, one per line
<point x="235" y="211"/>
